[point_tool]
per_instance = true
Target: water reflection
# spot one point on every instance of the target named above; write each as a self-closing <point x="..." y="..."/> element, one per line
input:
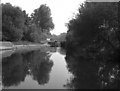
<point x="62" y="51"/>
<point x="47" y="69"/>
<point x="18" y="66"/>
<point x="89" y="74"/>
<point x="38" y="69"/>
<point x="13" y="70"/>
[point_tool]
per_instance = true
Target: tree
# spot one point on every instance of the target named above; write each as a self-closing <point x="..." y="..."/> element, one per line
<point x="42" y="18"/>
<point x="95" y="30"/>
<point x="90" y="18"/>
<point x="12" y="22"/>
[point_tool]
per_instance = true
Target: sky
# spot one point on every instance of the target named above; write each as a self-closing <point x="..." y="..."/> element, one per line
<point x="62" y="10"/>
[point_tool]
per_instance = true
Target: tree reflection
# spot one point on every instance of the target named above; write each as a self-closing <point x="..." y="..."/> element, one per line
<point x="41" y="72"/>
<point x="40" y="66"/>
<point x="84" y="73"/>
<point x="62" y="51"/>
<point x="89" y="74"/>
<point x="17" y="66"/>
<point x="13" y="70"/>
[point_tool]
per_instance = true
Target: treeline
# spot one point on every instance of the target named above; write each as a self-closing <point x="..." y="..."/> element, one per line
<point x="17" y="25"/>
<point x="61" y="37"/>
<point x="94" y="32"/>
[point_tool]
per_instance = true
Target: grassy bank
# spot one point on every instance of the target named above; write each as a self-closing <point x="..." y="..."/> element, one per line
<point x="6" y="44"/>
<point x="21" y="45"/>
<point x="24" y="43"/>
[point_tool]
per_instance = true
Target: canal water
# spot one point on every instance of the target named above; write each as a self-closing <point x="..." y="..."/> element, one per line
<point x="51" y="68"/>
<point x="38" y="69"/>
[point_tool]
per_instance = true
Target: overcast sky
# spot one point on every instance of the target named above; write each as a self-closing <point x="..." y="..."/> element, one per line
<point x="61" y="10"/>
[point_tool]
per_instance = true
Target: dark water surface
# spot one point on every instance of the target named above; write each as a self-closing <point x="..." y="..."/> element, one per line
<point x="53" y="69"/>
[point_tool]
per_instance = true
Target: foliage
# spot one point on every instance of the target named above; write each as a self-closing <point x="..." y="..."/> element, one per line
<point x="91" y="17"/>
<point x="18" y="26"/>
<point x="42" y="18"/>
<point x="95" y="31"/>
<point x="12" y="22"/>
<point x="61" y="37"/>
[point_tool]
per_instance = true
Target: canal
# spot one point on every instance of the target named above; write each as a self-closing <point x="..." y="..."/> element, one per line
<point x="38" y="69"/>
<point x="51" y="68"/>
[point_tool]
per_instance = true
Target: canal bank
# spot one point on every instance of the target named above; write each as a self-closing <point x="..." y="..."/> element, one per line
<point x="11" y="46"/>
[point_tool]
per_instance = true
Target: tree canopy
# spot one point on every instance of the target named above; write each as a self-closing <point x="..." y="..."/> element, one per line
<point x="42" y="17"/>
<point x="12" y="22"/>
<point x="17" y="25"/>
<point x="91" y="17"/>
<point x="95" y="30"/>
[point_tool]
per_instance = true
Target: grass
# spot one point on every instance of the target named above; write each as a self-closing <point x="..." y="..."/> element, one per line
<point x="6" y="44"/>
<point x="23" y="43"/>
